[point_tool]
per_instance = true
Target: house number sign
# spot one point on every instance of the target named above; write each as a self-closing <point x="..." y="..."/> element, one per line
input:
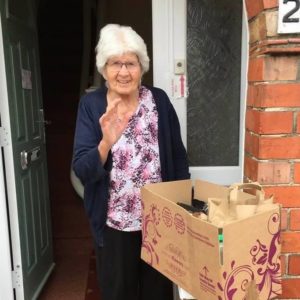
<point x="289" y="16"/>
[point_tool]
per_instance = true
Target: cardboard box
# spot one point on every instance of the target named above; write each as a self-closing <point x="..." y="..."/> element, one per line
<point x="187" y="250"/>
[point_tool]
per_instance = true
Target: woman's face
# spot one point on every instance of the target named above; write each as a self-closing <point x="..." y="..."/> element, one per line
<point x="123" y="74"/>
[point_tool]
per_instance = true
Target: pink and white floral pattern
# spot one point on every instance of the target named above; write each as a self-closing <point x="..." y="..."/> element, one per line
<point x="135" y="163"/>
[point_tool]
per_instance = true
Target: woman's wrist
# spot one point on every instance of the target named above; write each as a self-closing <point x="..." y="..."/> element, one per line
<point x="104" y="145"/>
<point x="103" y="149"/>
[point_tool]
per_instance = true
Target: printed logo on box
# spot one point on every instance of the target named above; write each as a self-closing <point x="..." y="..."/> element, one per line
<point x="167" y="217"/>
<point x="179" y="223"/>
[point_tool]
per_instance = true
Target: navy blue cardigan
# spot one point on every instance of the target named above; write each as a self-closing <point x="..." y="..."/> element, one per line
<point x="95" y="176"/>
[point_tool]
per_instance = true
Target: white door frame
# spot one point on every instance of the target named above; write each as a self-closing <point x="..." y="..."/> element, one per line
<point x="169" y="43"/>
<point x="8" y="279"/>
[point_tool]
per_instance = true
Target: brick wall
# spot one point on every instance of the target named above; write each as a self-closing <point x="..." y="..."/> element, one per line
<point x="272" y="138"/>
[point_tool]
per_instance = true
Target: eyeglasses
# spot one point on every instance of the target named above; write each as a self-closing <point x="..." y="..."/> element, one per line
<point x="116" y="66"/>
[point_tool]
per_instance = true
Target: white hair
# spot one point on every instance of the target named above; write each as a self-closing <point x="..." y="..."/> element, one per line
<point x="116" y="40"/>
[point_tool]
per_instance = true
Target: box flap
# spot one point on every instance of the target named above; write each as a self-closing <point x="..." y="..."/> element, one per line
<point x="175" y="191"/>
<point x="204" y="190"/>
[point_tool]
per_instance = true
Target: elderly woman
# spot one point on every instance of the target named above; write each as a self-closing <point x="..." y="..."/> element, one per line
<point x="127" y="135"/>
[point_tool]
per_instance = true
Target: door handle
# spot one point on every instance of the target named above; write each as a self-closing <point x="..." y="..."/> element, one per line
<point x="28" y="156"/>
<point x="42" y="118"/>
<point x="46" y="122"/>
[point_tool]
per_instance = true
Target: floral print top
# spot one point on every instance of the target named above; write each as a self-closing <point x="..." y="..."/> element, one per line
<point x="135" y="163"/>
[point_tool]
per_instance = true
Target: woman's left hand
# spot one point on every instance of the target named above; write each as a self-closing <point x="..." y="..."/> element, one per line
<point x="113" y="125"/>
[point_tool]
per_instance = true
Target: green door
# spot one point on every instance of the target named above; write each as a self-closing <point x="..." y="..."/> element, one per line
<point x="32" y="256"/>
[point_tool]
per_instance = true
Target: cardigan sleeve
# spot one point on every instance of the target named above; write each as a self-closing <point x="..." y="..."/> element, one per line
<point x="173" y="156"/>
<point x="86" y="159"/>
<point x="181" y="167"/>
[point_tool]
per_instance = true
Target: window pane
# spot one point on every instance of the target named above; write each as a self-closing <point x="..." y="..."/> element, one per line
<point x="214" y="31"/>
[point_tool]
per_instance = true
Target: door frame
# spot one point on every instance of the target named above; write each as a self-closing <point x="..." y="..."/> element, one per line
<point x="166" y="30"/>
<point x="12" y="279"/>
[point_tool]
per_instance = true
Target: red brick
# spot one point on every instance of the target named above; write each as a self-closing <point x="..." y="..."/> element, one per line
<point x="257" y="32"/>
<point x="267" y="172"/>
<point x="270" y="3"/>
<point x="250" y="168"/>
<point x="295" y="219"/>
<point x="290" y="288"/>
<point x="257" y="6"/>
<point x="251" y="143"/>
<point x="278" y="147"/>
<point x="274" y="172"/>
<point x="284" y="219"/>
<point x="276" y="122"/>
<point x="270" y="68"/>
<point x="281" y="67"/>
<point x="274" y="95"/>
<point x="297" y="173"/>
<point x="254" y="93"/>
<point x="255" y="71"/>
<point x="288" y="196"/>
<point x="252" y="120"/>
<point x="272" y="147"/>
<point x="294" y="265"/>
<point x="253" y="8"/>
<point x="290" y="242"/>
<point x="263" y="122"/>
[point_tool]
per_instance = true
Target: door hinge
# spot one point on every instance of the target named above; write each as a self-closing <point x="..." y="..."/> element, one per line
<point x="4" y="140"/>
<point x="17" y="277"/>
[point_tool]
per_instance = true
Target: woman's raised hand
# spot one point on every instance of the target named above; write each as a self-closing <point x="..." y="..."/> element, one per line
<point x="112" y="124"/>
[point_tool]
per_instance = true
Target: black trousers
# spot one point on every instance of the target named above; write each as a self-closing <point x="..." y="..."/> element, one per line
<point x="123" y="275"/>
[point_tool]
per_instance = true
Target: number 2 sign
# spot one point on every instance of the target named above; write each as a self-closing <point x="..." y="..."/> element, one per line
<point x="289" y="16"/>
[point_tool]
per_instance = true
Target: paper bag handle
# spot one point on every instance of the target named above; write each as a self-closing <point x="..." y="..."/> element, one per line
<point x="250" y="185"/>
<point x="260" y="195"/>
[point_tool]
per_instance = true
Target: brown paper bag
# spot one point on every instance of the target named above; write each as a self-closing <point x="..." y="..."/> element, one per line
<point x="238" y="205"/>
<point x="235" y="195"/>
<point x="220" y="212"/>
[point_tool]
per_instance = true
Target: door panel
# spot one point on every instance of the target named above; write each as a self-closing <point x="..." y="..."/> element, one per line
<point x="19" y="12"/>
<point x="210" y="37"/>
<point x="34" y="249"/>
